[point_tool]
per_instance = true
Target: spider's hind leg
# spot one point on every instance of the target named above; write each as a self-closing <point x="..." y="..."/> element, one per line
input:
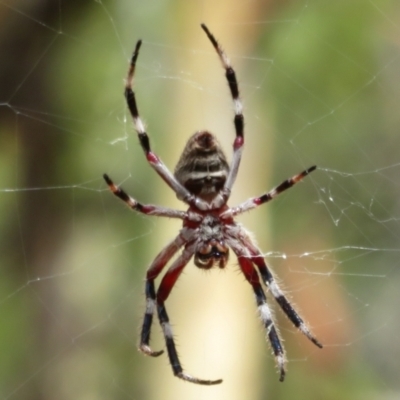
<point x="238" y="121"/>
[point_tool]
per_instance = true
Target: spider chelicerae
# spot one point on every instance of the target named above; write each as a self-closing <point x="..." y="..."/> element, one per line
<point x="203" y="179"/>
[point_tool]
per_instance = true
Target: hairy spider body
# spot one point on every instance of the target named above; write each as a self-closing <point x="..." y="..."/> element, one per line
<point x="211" y="247"/>
<point x="202" y="168"/>
<point x="203" y="179"/>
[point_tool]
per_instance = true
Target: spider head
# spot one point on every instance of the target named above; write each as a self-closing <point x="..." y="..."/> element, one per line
<point x="211" y="248"/>
<point x="211" y="253"/>
<point x="202" y="168"/>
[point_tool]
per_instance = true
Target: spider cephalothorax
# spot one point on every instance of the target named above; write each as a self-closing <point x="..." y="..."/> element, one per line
<point x="211" y="249"/>
<point x="203" y="179"/>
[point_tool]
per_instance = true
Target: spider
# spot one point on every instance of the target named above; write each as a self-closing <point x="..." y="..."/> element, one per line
<point x="203" y="179"/>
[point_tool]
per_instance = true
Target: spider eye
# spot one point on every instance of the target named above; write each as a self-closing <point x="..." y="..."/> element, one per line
<point x="209" y="255"/>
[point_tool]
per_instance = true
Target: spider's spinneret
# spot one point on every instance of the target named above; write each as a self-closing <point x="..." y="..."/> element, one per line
<point x="202" y="168"/>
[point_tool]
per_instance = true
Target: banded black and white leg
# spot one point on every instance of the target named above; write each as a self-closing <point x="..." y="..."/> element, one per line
<point x="152" y="273"/>
<point x="254" y="202"/>
<point x="166" y="285"/>
<point x="280" y="298"/>
<point x="155" y="162"/>
<point x="159" y="262"/>
<point x="238" y="120"/>
<point x="265" y="313"/>
<point x="270" y="282"/>
<point x="148" y="209"/>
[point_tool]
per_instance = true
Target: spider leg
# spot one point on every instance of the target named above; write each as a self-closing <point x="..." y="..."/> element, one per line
<point x="163" y="292"/>
<point x="252" y="277"/>
<point x="264" y="198"/>
<point x="238" y="119"/>
<point x="269" y="280"/>
<point x="281" y="299"/>
<point x="151" y="157"/>
<point x="153" y="271"/>
<point x="149" y="209"/>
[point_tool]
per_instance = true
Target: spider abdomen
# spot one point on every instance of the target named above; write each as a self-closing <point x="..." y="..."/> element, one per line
<point x="202" y="168"/>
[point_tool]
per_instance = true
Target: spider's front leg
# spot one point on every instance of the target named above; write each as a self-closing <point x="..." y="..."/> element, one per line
<point x="154" y="270"/>
<point x="166" y="285"/>
<point x="252" y="277"/>
<point x="269" y="280"/>
<point x="281" y="299"/>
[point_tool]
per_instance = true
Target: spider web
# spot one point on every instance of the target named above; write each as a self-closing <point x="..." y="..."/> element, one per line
<point x="319" y="82"/>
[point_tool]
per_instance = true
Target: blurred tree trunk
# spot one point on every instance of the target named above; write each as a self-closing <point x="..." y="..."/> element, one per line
<point x="32" y="246"/>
